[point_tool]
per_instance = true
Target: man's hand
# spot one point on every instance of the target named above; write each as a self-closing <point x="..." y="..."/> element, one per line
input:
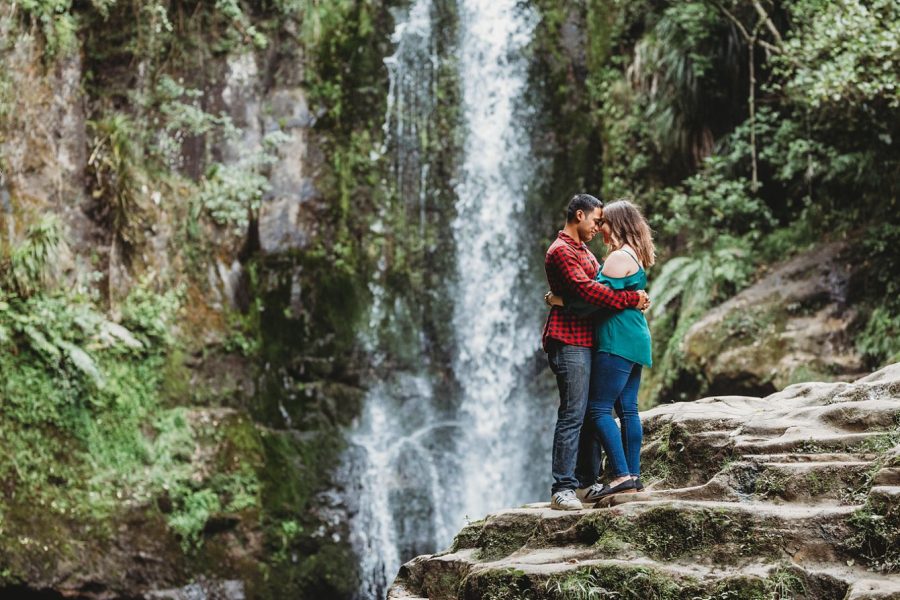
<point x="644" y="303"/>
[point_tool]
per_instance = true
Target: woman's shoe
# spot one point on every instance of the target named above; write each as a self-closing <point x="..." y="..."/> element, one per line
<point x="626" y="487"/>
<point x="638" y="485"/>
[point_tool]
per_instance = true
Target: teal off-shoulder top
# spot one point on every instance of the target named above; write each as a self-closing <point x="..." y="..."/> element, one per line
<point x="624" y="333"/>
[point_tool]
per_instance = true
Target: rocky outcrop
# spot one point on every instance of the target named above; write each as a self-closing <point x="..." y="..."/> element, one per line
<point x="795" y="495"/>
<point x="259" y="353"/>
<point x="795" y="324"/>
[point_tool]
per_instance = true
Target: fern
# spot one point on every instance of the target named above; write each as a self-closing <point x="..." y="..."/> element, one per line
<point x="29" y="267"/>
<point x="116" y="177"/>
<point x="685" y="289"/>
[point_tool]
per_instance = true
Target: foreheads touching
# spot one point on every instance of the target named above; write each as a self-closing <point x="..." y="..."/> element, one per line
<point x="582" y="206"/>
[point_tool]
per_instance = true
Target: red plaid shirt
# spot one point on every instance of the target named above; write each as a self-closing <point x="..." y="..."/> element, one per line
<point x="571" y="269"/>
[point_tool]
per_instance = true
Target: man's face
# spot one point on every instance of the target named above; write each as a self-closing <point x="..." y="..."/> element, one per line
<point x="590" y="225"/>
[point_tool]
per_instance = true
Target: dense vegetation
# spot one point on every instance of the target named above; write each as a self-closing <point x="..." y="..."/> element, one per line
<point x="748" y="130"/>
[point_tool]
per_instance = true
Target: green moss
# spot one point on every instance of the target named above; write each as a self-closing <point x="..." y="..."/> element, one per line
<point x="818" y="484"/>
<point x="494" y="539"/>
<point x="673" y="457"/>
<point x="876" y="533"/>
<point x="771" y="483"/>
<point x="468" y="536"/>
<point x="609" y="544"/>
<point x="670" y="533"/>
<point x="498" y="584"/>
<point x="642" y="583"/>
<point x="618" y="581"/>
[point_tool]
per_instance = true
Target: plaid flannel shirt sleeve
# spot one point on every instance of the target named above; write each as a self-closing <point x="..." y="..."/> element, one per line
<point x="581" y="286"/>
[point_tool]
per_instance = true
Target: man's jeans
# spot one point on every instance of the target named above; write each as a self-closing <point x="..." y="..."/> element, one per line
<point x="576" y="453"/>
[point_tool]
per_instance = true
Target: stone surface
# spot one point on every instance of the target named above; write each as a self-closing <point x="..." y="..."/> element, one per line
<point x="793" y="325"/>
<point x="746" y="498"/>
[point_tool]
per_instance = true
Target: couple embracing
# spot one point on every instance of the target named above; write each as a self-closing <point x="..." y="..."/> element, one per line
<point x="597" y="342"/>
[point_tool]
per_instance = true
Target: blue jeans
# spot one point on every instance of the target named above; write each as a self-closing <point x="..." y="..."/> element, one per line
<point x="576" y="452"/>
<point x="616" y="380"/>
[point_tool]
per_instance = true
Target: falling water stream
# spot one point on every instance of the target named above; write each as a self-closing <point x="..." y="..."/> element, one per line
<point x="421" y="462"/>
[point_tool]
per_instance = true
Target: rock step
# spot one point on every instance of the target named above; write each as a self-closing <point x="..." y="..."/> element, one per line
<point x="874" y="589"/>
<point x="639" y="525"/>
<point x="799" y="457"/>
<point x="808" y="481"/>
<point x="813" y="443"/>
<point x="561" y="573"/>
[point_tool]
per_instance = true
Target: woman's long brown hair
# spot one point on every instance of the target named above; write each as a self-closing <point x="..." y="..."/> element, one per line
<point x="628" y="226"/>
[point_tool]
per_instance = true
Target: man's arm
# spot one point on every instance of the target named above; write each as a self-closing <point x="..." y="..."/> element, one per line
<point x="581" y="286"/>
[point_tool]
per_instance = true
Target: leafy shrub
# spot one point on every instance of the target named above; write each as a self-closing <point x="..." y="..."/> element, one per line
<point x="57" y="24"/>
<point x="685" y="288"/>
<point x="232" y="194"/>
<point x="844" y="52"/>
<point x="711" y="204"/>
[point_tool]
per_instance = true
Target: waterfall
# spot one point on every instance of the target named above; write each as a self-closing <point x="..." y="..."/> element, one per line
<point x="422" y="460"/>
<point x="493" y="343"/>
<point x="392" y="477"/>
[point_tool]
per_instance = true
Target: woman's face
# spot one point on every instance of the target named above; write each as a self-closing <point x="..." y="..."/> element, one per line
<point x="607" y="233"/>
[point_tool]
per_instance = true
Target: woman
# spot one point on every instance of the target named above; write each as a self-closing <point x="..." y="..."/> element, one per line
<point x="622" y="344"/>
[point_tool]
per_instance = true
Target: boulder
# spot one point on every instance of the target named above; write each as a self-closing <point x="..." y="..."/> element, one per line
<point x="794" y="324"/>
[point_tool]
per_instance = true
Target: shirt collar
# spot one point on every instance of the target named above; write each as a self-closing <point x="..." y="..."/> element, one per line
<point x="570" y="241"/>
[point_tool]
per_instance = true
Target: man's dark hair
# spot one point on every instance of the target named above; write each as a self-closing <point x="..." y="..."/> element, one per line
<point x="584" y="202"/>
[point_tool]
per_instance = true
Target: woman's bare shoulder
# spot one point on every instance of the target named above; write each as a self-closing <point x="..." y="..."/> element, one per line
<point x="619" y="264"/>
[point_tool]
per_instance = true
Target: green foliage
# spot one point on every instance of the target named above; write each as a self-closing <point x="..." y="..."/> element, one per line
<point x="57" y="24"/>
<point x="87" y="390"/>
<point x="686" y="287"/>
<point x="115" y="171"/>
<point x="673" y="62"/>
<point x="876" y="536"/>
<point x="232" y="194"/>
<point x="180" y="114"/>
<point x="29" y="265"/>
<point x="842" y="53"/>
<point x="710" y="204"/>
<point x="879" y="340"/>
<point x="242" y="28"/>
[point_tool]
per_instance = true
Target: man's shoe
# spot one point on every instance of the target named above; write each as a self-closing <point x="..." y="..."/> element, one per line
<point x="565" y="500"/>
<point x="591" y="494"/>
<point x="626" y="487"/>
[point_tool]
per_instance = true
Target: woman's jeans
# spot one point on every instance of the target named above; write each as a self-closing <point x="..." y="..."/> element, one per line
<point x="576" y="453"/>
<point x="613" y="379"/>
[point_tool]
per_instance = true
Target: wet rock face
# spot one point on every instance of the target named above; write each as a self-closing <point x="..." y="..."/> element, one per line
<point x="284" y="221"/>
<point x="44" y="151"/>
<point x="795" y="324"/>
<point x="793" y="495"/>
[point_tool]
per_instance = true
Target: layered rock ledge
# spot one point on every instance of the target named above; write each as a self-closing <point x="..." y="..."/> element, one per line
<point x="794" y="495"/>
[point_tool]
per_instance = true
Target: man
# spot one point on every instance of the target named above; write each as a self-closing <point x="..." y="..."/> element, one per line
<point x="568" y="341"/>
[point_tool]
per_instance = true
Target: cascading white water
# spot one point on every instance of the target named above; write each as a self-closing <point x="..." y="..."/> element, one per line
<point x="393" y="479"/>
<point x="492" y="343"/>
<point x="420" y="461"/>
